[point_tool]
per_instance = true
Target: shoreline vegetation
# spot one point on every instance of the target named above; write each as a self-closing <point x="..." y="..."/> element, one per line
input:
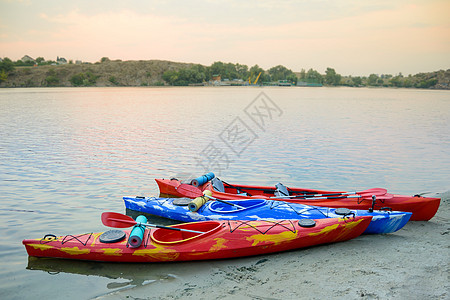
<point x="29" y="72"/>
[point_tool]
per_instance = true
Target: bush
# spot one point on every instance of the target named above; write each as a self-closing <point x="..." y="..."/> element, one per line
<point x="3" y="76"/>
<point x="51" y="80"/>
<point x="427" y="83"/>
<point x="113" y="80"/>
<point x="84" y="79"/>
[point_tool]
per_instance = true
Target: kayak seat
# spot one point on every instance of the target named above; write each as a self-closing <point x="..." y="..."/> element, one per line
<point x="281" y="190"/>
<point x="218" y="185"/>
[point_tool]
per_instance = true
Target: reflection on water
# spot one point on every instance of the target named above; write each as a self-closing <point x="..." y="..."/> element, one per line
<point x="70" y="154"/>
<point x="118" y="272"/>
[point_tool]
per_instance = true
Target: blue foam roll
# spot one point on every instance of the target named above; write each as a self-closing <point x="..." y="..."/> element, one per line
<point x="203" y="179"/>
<point x="137" y="233"/>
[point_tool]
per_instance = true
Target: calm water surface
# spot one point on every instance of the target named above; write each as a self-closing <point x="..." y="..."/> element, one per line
<point x="67" y="155"/>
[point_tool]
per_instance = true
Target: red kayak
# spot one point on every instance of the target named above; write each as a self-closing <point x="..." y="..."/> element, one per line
<point x="422" y="208"/>
<point x="203" y="240"/>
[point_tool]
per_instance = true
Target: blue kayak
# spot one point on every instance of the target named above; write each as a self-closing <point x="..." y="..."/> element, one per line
<point x="261" y="209"/>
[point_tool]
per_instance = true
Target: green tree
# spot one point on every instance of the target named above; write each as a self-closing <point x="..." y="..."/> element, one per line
<point x="425" y="84"/>
<point x="279" y="73"/>
<point x="254" y="72"/>
<point x="242" y="71"/>
<point x="6" y="65"/>
<point x="357" y="81"/>
<point x="331" y="77"/>
<point x="170" y="76"/>
<point x="226" y="70"/>
<point x="21" y="63"/>
<point x="302" y="74"/>
<point x="372" y="80"/>
<point x="217" y="68"/>
<point x="312" y="76"/>
<point x="292" y="79"/>
<point x="396" y="81"/>
<point x="40" y="60"/>
<point x="182" y="77"/>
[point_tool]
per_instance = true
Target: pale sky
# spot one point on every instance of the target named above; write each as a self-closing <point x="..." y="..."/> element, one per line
<point x="352" y="36"/>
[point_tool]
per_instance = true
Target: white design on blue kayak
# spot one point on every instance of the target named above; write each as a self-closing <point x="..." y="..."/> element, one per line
<point x="260" y="209"/>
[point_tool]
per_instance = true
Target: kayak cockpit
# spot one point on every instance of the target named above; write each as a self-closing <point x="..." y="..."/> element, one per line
<point x="166" y="236"/>
<point x="240" y="205"/>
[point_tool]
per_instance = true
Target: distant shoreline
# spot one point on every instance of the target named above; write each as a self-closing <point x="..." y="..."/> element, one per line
<point x="155" y="73"/>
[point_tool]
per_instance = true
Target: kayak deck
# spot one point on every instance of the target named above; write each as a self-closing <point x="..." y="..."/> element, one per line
<point x="224" y="239"/>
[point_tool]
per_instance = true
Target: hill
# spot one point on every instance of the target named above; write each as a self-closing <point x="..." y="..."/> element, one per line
<point x="107" y="73"/>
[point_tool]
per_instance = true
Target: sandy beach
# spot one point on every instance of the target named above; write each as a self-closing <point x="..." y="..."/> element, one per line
<point x="412" y="263"/>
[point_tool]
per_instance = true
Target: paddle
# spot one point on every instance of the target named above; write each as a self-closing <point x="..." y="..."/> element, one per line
<point x="117" y="220"/>
<point x="193" y="192"/>
<point x="363" y="196"/>
<point x="369" y="192"/>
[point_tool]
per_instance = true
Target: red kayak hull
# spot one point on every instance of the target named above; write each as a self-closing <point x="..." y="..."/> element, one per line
<point x="222" y="239"/>
<point x="422" y="208"/>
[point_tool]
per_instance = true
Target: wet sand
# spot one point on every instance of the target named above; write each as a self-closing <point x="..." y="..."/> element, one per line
<point x="412" y="263"/>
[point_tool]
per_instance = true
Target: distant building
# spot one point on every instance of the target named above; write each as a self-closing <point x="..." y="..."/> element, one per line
<point x="78" y="62"/>
<point x="27" y="58"/>
<point x="61" y="60"/>
<point x="216" y="77"/>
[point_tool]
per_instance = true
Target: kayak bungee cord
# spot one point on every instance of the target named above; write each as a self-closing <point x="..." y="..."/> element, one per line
<point x="275" y="223"/>
<point x="66" y="238"/>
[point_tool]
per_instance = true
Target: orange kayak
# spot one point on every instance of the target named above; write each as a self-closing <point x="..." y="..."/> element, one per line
<point x="214" y="240"/>
<point x="422" y="208"/>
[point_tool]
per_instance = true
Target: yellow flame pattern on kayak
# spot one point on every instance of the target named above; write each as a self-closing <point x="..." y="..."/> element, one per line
<point x="112" y="251"/>
<point x="220" y="244"/>
<point x="273" y="238"/>
<point x="42" y="247"/>
<point x="159" y="252"/>
<point x="347" y="227"/>
<point x="325" y="230"/>
<point x="75" y="250"/>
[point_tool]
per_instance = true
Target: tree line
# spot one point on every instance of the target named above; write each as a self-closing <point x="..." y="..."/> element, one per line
<point x="196" y="74"/>
<point x="228" y="71"/>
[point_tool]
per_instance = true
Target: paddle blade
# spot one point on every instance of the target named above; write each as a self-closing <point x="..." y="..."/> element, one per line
<point x="189" y="191"/>
<point x="374" y="191"/>
<point x="385" y="197"/>
<point x="381" y="198"/>
<point x="113" y="219"/>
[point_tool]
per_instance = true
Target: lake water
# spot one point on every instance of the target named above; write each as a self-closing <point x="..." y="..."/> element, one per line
<point x="69" y="154"/>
